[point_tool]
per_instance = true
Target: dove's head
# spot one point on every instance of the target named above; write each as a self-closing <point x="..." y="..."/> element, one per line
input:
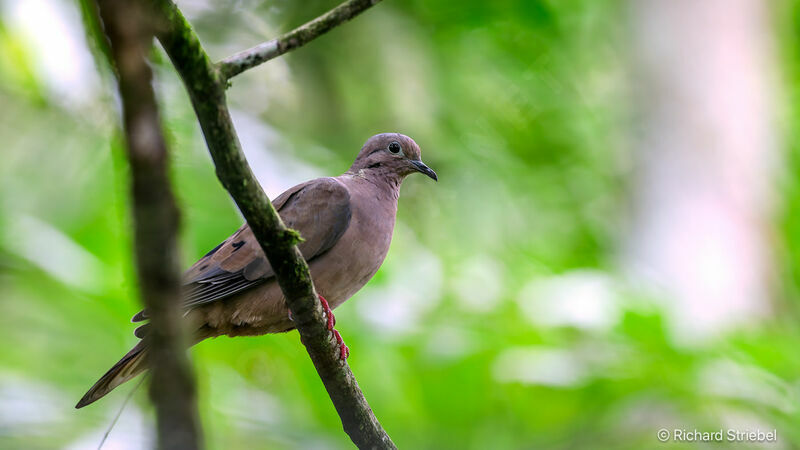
<point x="392" y="156"/>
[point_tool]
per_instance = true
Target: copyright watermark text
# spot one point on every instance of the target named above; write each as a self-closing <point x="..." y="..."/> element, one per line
<point x="721" y="435"/>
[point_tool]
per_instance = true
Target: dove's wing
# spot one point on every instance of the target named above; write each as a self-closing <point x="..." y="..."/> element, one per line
<point x="318" y="209"/>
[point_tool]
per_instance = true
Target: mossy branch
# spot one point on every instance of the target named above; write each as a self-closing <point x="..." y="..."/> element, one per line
<point x="206" y="85"/>
<point x="261" y="53"/>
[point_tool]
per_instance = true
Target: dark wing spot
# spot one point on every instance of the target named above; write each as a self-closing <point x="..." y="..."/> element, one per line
<point x="237" y="245"/>
<point x="214" y="249"/>
<point x="203" y="267"/>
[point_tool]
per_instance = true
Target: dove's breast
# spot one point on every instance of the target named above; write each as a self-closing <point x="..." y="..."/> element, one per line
<point x="359" y="253"/>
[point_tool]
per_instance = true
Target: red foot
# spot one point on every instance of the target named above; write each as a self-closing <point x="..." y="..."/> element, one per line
<point x="328" y="312"/>
<point x="344" y="351"/>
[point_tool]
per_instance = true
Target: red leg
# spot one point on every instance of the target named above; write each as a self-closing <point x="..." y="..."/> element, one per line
<point x="343" y="349"/>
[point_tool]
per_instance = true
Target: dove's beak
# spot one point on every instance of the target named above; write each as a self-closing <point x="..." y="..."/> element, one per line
<point x="422" y="168"/>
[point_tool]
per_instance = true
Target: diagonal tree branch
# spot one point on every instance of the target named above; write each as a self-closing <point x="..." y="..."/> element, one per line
<point x="156" y="219"/>
<point x="206" y="87"/>
<point x="261" y="53"/>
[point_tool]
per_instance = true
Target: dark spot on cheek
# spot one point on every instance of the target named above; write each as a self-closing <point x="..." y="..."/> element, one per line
<point x="372" y="166"/>
<point x="237" y="245"/>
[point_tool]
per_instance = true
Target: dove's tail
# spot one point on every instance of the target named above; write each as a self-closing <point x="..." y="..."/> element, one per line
<point x="132" y="364"/>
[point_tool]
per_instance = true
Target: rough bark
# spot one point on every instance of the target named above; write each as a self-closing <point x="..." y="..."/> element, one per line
<point x="156" y="222"/>
<point x="206" y="87"/>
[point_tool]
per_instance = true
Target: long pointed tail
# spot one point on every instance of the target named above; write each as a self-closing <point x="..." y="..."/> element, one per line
<point x="132" y="364"/>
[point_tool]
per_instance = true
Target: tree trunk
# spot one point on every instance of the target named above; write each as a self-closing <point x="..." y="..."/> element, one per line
<point x="707" y="147"/>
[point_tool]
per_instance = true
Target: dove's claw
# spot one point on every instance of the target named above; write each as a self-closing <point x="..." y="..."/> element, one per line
<point x="344" y="351"/>
<point x="328" y="312"/>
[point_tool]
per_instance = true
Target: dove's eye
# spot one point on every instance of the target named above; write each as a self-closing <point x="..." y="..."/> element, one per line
<point x="394" y="147"/>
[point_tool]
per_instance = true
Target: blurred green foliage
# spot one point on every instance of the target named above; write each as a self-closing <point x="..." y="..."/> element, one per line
<point x="520" y="106"/>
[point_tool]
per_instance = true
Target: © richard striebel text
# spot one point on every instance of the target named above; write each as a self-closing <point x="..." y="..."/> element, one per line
<point x="729" y="435"/>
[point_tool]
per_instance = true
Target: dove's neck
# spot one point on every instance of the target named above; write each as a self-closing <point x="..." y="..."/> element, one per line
<point x="386" y="182"/>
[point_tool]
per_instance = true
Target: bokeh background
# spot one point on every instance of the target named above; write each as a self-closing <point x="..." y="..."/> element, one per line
<point x="613" y="247"/>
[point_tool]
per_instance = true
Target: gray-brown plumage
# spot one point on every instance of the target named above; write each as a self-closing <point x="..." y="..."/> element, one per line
<point x="346" y="223"/>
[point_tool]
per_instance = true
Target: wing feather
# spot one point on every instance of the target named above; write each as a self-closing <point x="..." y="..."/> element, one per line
<point x="318" y="209"/>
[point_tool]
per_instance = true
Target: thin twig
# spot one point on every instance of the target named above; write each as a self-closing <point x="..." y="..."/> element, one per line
<point x="261" y="53"/>
<point x="119" y="412"/>
<point x="206" y="88"/>
<point x="156" y="219"/>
